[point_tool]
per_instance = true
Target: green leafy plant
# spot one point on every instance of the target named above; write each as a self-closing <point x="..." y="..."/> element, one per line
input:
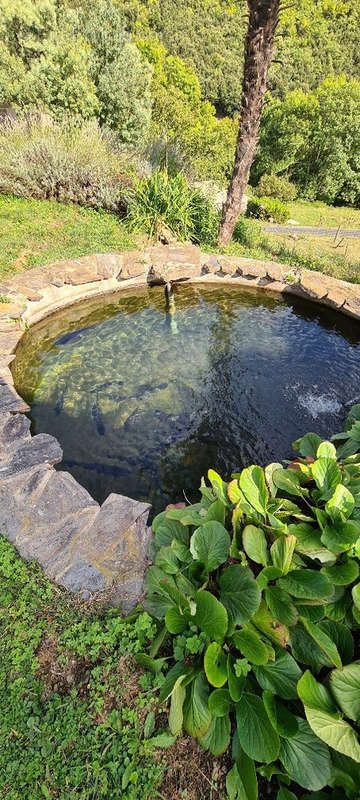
<point x="256" y="588"/>
<point x="276" y="186"/>
<point x="269" y="208"/>
<point x="163" y="202"/>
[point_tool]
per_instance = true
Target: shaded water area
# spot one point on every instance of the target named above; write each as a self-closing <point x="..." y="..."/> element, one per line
<point x="145" y="397"/>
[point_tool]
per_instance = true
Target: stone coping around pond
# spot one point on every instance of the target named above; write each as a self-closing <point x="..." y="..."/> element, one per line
<point x="45" y="513"/>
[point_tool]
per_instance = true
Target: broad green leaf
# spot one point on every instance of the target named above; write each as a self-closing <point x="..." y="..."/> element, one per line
<point x="215" y="665"/>
<point x="197" y="717"/>
<point x="267" y="574"/>
<point x="334" y="731"/>
<point x="307" y="445"/>
<point x="210" y="544"/>
<point x="163" y="740"/>
<point x="313" y="613"/>
<point x="341" y="636"/>
<point x="153" y="665"/>
<point x="219" y="702"/>
<point x="217" y="737"/>
<point x="252" y="483"/>
<point x="306" y="651"/>
<point x="308" y="542"/>
<point x="211" y="616"/>
<point x="156" y="605"/>
<point x="267" y="624"/>
<point x="340" y="505"/>
<point x="236" y="685"/>
<point x="149" y="725"/>
<point x="289" y="481"/>
<point x="282" y="552"/>
<point x="314" y="694"/>
<point x="240" y="593"/>
<point x="255" y="546"/>
<point x="251" y="646"/>
<point x="234" y="492"/>
<point x="170" y="680"/>
<point x="326" y="450"/>
<point x="307" y="584"/>
<point x="356" y="595"/>
<point x="178" y="598"/>
<point x="175" y="621"/>
<point x="323" y="641"/>
<point x="269" y="470"/>
<point x="305" y="759"/>
<point x="216" y="512"/>
<point x="280" y="605"/>
<point x="256" y="735"/>
<point x="283" y="722"/>
<point x="327" y="476"/>
<point x="280" y="677"/>
<point x="345" y="686"/>
<point x="340" y="536"/>
<point x="235" y="786"/>
<point x="284" y="794"/>
<point x="219" y="486"/>
<point x="181" y="551"/>
<point x="246" y="769"/>
<point x="176" y="706"/>
<point x="342" y="574"/>
<point x="167" y="561"/>
<point x="156" y="580"/>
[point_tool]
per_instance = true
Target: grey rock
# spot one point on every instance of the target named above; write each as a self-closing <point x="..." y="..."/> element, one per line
<point x="11" y="401"/>
<point x="83" y="577"/>
<point x="41" y="449"/>
<point x="116" y="517"/>
<point x="14" y="429"/>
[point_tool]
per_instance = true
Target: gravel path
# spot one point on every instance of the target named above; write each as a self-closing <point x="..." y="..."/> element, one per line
<point x="352" y="233"/>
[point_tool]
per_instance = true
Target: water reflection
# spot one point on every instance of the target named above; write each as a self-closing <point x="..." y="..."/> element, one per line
<point x="142" y="411"/>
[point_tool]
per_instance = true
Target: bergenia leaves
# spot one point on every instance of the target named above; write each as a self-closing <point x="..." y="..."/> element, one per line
<point x="252" y="484"/>
<point x="257" y="587"/>
<point x="256" y="734"/>
<point x="210" y="544"/>
<point x="239" y="593"/>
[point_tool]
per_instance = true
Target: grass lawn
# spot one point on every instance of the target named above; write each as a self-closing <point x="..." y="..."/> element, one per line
<point x="36" y="232"/>
<point x="320" y="215"/>
<point x="79" y="718"/>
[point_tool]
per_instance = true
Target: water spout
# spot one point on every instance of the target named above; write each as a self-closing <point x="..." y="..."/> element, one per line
<point x="171" y="308"/>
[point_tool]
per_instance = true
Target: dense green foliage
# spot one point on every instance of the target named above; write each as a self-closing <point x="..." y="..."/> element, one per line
<point x="161" y="204"/>
<point x="257" y="588"/>
<point x="75" y="722"/>
<point x="269" y="208"/>
<point x="314" y="138"/>
<point x="155" y="71"/>
<point x="67" y="161"/>
<point x="276" y="186"/>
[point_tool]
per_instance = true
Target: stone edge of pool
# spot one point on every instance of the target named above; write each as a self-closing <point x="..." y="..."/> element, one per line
<point x="48" y="516"/>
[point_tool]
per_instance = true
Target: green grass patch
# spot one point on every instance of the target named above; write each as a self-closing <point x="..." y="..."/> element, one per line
<point x="37" y="232"/>
<point x="320" y="215"/>
<point x="76" y="713"/>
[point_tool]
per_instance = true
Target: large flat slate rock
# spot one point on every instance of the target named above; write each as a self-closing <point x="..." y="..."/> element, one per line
<point x="41" y="449"/>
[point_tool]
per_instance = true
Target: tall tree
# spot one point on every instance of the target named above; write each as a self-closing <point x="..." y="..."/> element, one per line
<point x="259" y="45"/>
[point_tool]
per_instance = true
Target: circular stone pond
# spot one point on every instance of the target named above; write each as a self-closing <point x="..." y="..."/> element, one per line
<point x="145" y="395"/>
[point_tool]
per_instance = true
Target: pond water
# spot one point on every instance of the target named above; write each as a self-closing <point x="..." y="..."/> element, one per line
<point x="145" y="397"/>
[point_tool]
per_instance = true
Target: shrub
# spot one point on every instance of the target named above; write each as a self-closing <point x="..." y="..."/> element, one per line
<point x="276" y="186"/>
<point x="256" y="587"/>
<point x="248" y="233"/>
<point x="268" y="208"/>
<point x="162" y="202"/>
<point x="70" y="161"/>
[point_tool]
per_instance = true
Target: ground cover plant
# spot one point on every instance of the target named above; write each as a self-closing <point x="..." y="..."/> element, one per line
<point x="37" y="232"/>
<point x="257" y="596"/>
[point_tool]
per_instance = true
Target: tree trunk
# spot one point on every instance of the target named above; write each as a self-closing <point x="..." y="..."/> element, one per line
<point x="259" y="45"/>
